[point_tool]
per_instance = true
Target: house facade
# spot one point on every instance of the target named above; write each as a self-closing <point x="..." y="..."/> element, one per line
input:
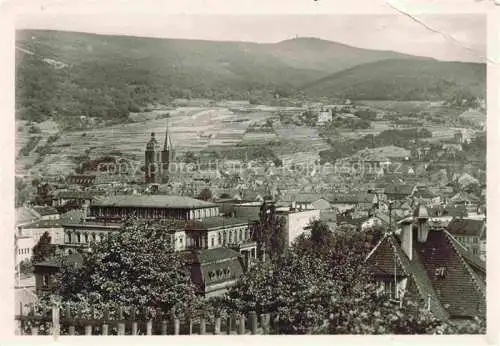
<point x="471" y="233"/>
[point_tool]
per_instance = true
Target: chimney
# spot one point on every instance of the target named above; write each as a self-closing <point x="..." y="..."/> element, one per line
<point x="407" y="236"/>
<point x="421" y="215"/>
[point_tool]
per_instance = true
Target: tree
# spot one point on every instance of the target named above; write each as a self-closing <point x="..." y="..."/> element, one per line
<point x="26" y="267"/>
<point x="44" y="249"/>
<point x="205" y="195"/>
<point x="270" y="232"/>
<point x="319" y="242"/>
<point x="190" y="158"/>
<point x="24" y="192"/>
<point x="305" y="287"/>
<point x="135" y="267"/>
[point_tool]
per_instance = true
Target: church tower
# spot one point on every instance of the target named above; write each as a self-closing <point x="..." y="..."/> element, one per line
<point x="152" y="160"/>
<point x="167" y="156"/>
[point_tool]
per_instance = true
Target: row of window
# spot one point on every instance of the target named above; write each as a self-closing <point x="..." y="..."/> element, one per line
<point x="474" y="240"/>
<point x="23" y="251"/>
<point x="231" y="236"/>
<point x="76" y="238"/>
<point x="219" y="274"/>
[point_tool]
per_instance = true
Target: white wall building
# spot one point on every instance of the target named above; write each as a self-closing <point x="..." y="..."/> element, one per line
<point x="297" y="222"/>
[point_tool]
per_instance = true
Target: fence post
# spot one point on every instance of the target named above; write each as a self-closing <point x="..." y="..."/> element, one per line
<point x="229" y="324"/>
<point x="88" y="330"/>
<point x="241" y="326"/>
<point x="149" y="327"/>
<point x="217" y="325"/>
<point x="56" y="327"/>
<point x="134" y="322"/>
<point x="177" y="325"/>
<point x="164" y="327"/>
<point x="67" y="317"/>
<point x="105" y="325"/>
<point x="121" y="323"/>
<point x="264" y="321"/>
<point x="253" y="322"/>
<point x="21" y="322"/>
<point x="34" y="329"/>
<point x="276" y="323"/>
<point x="203" y="324"/>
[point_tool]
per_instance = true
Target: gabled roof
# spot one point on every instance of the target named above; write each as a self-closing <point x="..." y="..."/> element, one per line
<point x="466" y="227"/>
<point x="385" y="259"/>
<point x="460" y="293"/>
<point x="44" y="210"/>
<point x="398" y="189"/>
<point x="215" y="255"/>
<point x="74" y="259"/>
<point x="25" y="215"/>
<point x="68" y="194"/>
<point x="43" y="224"/>
<point x="463" y="197"/>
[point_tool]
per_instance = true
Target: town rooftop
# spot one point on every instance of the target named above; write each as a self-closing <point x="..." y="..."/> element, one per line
<point x="156" y="201"/>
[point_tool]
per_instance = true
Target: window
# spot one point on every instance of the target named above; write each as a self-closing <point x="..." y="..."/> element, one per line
<point x="475" y="240"/>
<point x="241" y="234"/>
<point x="220" y="238"/>
<point x="45" y="280"/>
<point x="440" y="272"/>
<point x="474" y="251"/>
<point x="212" y="241"/>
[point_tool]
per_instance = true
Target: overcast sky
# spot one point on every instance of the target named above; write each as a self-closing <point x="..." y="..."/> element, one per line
<point x="444" y="36"/>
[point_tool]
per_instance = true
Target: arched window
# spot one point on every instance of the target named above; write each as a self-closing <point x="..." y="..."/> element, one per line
<point x="241" y="234"/>
<point x="78" y="238"/>
<point x="220" y="238"/>
<point x="86" y="238"/>
<point x="224" y="237"/>
<point x="230" y="237"/>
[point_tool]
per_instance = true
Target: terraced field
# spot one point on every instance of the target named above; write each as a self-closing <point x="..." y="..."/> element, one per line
<point x="190" y="129"/>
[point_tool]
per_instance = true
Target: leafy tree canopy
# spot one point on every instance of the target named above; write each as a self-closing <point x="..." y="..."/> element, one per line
<point x="135" y="267"/>
<point x="44" y="249"/>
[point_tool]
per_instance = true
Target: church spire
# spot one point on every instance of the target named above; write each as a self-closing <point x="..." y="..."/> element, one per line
<point x="168" y="141"/>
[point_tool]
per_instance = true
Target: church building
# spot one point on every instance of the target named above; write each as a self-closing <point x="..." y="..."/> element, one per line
<point x="157" y="161"/>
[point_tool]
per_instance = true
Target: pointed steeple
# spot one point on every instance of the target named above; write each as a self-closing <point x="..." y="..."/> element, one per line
<point x="168" y="141"/>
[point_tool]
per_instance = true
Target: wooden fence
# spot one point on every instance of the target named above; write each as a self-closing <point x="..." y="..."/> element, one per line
<point x="56" y="323"/>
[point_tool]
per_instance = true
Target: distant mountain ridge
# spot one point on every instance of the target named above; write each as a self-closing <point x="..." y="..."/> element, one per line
<point x="291" y="61"/>
<point x="397" y="79"/>
<point x="66" y="74"/>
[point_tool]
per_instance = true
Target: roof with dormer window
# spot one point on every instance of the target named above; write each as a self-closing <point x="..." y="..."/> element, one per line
<point x="458" y="293"/>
